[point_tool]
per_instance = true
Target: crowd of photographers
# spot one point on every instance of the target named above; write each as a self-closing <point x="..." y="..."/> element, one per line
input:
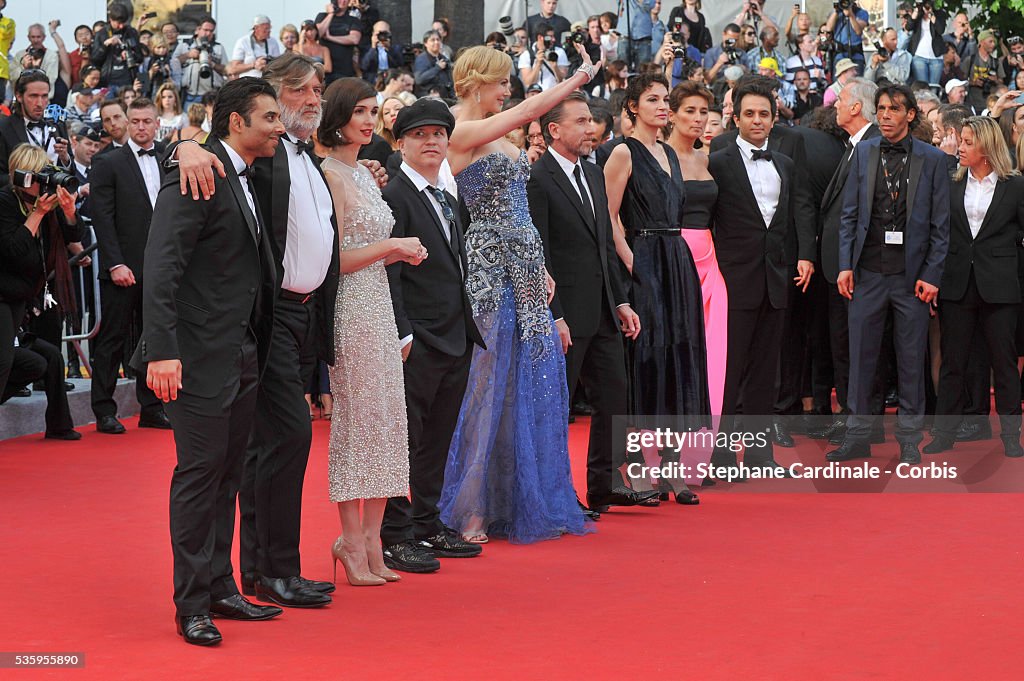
<point x="75" y="104"/>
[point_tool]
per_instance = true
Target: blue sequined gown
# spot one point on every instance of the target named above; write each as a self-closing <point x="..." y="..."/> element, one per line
<point x="509" y="459"/>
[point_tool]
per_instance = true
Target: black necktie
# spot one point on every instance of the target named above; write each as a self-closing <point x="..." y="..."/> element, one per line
<point x="449" y="215"/>
<point x="147" y="152"/>
<point x="762" y="155"/>
<point x="302" y="147"/>
<point x="246" y="176"/>
<point x="890" y="148"/>
<point x="581" y="184"/>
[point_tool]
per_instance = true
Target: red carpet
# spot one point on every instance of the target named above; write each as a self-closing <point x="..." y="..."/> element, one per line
<point x="744" y="586"/>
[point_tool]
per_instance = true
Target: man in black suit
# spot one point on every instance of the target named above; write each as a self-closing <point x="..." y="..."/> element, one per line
<point x="123" y="189"/>
<point x="757" y="235"/>
<point x="436" y="327"/>
<point x="25" y="125"/>
<point x="115" y="125"/>
<point x="980" y="290"/>
<point x="784" y="140"/>
<point x="893" y="237"/>
<point x="855" y="111"/>
<point x="569" y="206"/>
<point x="208" y="297"/>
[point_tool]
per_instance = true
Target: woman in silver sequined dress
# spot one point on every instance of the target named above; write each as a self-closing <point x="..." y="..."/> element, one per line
<point x="508" y="468"/>
<point x="369" y="450"/>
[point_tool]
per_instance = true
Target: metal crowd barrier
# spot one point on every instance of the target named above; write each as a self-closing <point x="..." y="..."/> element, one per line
<point x="89" y="317"/>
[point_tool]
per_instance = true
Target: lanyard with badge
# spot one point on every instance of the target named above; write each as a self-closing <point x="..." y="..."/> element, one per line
<point x="893" y="237"/>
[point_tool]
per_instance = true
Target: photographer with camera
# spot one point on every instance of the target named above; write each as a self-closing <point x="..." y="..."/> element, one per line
<point x="984" y="72"/>
<point x="961" y="37"/>
<point x="846" y="23"/>
<point x="927" y="25"/>
<point x="581" y="35"/>
<point x="383" y="54"/>
<point x="36" y="56"/>
<point x="203" y="62"/>
<point x="720" y="56"/>
<point x="807" y="59"/>
<point x="677" y="55"/>
<point x="116" y="50"/>
<point x="159" y="67"/>
<point x="753" y="13"/>
<point x="29" y="123"/>
<point x="253" y="52"/>
<point x="432" y="70"/>
<point x="889" y="62"/>
<point x="545" y="63"/>
<point x="341" y="29"/>
<point x="1013" y="62"/>
<point x="37" y="221"/>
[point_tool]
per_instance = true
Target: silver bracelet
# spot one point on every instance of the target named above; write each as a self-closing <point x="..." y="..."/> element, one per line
<point x="589" y="70"/>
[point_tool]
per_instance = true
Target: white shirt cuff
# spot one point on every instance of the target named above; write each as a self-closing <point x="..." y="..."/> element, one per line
<point x="405" y="341"/>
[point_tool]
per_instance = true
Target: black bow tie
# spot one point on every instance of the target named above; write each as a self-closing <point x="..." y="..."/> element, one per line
<point x="39" y="125"/>
<point x="302" y="147"/>
<point x="890" y="148"/>
<point x="147" y="152"/>
<point x="760" y="154"/>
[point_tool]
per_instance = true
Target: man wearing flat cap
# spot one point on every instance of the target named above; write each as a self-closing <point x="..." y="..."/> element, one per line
<point x="435" y="324"/>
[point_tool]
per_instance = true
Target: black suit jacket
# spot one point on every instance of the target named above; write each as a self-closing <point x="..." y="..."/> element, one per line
<point x="994" y="252"/>
<point x="12" y="133"/>
<point x="754" y="261"/>
<point x="370" y="62"/>
<point x="430" y="299"/>
<point x="273" y="189"/>
<point x="120" y="209"/>
<point x="832" y="209"/>
<point x="784" y="140"/>
<point x="578" y="251"/>
<point x="209" y="278"/>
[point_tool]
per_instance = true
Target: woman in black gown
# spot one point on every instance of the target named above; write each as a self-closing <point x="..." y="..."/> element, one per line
<point x="667" y="362"/>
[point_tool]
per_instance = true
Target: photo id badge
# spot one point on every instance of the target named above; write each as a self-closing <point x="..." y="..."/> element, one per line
<point x="894" y="238"/>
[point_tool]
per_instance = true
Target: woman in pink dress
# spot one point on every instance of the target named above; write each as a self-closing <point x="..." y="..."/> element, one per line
<point x="689" y="103"/>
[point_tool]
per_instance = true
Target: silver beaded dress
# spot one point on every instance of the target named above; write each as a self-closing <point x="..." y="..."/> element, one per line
<point x="369" y="447"/>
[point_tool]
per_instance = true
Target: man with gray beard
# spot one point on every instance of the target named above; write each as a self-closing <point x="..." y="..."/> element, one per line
<point x="297" y="210"/>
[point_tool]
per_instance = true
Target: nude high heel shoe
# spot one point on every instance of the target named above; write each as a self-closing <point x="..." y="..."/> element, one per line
<point x="375" y="561"/>
<point x="355" y="569"/>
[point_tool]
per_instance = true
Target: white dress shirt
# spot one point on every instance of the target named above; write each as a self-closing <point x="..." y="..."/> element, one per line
<point x="855" y="140"/>
<point x="978" y="198"/>
<point x="44" y="137"/>
<point x="150" y="169"/>
<point x="764" y="180"/>
<point x="310" y="242"/>
<point x="239" y="165"/>
<point x="568" y="167"/>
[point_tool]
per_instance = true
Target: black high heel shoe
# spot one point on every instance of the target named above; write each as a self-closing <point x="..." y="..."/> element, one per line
<point x="683" y="496"/>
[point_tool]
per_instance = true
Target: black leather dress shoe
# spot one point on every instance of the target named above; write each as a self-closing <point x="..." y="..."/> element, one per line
<point x="63" y="435"/>
<point x="109" y="425"/>
<point x="319" y="587"/>
<point x="973" y="430"/>
<point x="198" y="630"/>
<point x="68" y="386"/>
<point x="941" y="443"/>
<point x="22" y="392"/>
<point x="74" y="372"/>
<point x="590" y="515"/>
<point x="448" y="544"/>
<point x="237" y="608"/>
<point x="289" y="592"/>
<point x="619" y="496"/>
<point x="909" y="453"/>
<point x="1012" y="448"/>
<point x="848" y="451"/>
<point x="158" y="420"/>
<point x="836" y="433"/>
<point x="409" y="556"/>
<point x="781" y="436"/>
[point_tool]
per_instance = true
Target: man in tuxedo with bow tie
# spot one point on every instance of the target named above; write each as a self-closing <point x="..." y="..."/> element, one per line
<point x="437" y="331"/>
<point x="591" y="307"/>
<point x="893" y="238"/>
<point x="123" y="188"/>
<point x="25" y="125"/>
<point x="757" y="234"/>
<point x="209" y="293"/>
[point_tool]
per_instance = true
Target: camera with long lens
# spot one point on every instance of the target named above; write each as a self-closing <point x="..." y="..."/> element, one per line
<point x="47" y="179"/>
<point x="576" y="37"/>
<point x="384" y="37"/>
<point x="205" y="71"/>
<point x="842" y="5"/>
<point x="36" y="52"/>
<point x="506" y="27"/>
<point x="880" y="49"/>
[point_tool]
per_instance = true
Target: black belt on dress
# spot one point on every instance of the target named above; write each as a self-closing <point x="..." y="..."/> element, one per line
<point x="663" y="230"/>
<point x="302" y="298"/>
